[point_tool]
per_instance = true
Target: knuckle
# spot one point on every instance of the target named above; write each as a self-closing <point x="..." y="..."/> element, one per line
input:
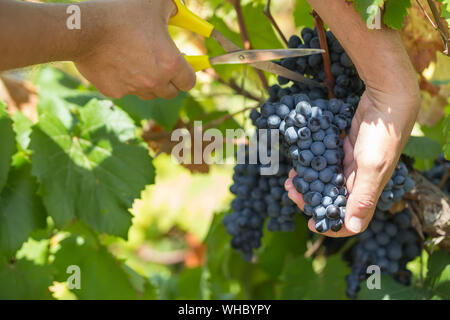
<point x="365" y="202"/>
<point x="171" y="63"/>
<point x="149" y="83"/>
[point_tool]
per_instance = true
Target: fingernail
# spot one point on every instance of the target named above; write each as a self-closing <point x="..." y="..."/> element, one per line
<point x="355" y="224"/>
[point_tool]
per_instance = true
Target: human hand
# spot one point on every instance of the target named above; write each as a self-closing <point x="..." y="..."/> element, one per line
<point x="133" y="53"/>
<point x="380" y="128"/>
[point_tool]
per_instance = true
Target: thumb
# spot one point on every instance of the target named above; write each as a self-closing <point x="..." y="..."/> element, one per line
<point x="363" y="197"/>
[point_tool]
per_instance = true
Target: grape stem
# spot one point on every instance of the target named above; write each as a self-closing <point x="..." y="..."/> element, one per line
<point x="329" y="82"/>
<point x="245" y="39"/>
<point x="272" y="20"/>
<point x="440" y="24"/>
<point x="315" y="246"/>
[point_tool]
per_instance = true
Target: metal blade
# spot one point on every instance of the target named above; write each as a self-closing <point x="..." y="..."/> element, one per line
<point x="271" y="67"/>
<point x="250" y="56"/>
<point x="284" y="72"/>
<point x="226" y="43"/>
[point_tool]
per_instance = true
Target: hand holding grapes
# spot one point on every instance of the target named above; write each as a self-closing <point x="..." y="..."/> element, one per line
<point x="372" y="148"/>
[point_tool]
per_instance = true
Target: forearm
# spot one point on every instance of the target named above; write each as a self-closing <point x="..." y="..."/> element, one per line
<point x="379" y="54"/>
<point x="32" y="33"/>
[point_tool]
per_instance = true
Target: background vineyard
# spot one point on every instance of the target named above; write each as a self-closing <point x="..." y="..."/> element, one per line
<point x="67" y="153"/>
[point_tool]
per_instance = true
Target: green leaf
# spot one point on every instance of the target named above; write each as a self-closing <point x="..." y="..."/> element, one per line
<point x="24" y="280"/>
<point x="443" y="290"/>
<point x="437" y="263"/>
<point x="259" y="28"/>
<point x="36" y="251"/>
<point x="7" y="145"/>
<point x="391" y="290"/>
<point x="395" y="12"/>
<point x="164" y="112"/>
<point x="298" y="279"/>
<point x="21" y="210"/>
<point x="368" y="9"/>
<point x="278" y="246"/>
<point x="101" y="275"/>
<point x="447" y="137"/>
<point x="445" y="10"/>
<point x="59" y="108"/>
<point x="22" y="127"/>
<point x="93" y="172"/>
<point x="302" y="14"/>
<point x="422" y="147"/>
<point x="53" y="82"/>
<point x="146" y="290"/>
<point x="332" y="280"/>
<point x="189" y="284"/>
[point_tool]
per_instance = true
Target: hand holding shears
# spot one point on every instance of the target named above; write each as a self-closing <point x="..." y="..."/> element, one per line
<point x="259" y="59"/>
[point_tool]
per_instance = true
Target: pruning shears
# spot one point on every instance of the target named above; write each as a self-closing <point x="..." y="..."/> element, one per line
<point x="259" y="59"/>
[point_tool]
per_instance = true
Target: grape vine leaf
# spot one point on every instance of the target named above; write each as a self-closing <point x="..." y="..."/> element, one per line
<point x="332" y="280"/>
<point x="164" y="112"/>
<point x="437" y="263"/>
<point x="54" y="83"/>
<point x="145" y="289"/>
<point x="447" y="137"/>
<point x="21" y="210"/>
<point x="101" y="275"/>
<point x="298" y="278"/>
<point x="22" y="127"/>
<point x="445" y="10"/>
<point x="220" y="258"/>
<point x="259" y="29"/>
<point x="395" y="12"/>
<point x="36" y="251"/>
<point x="422" y="147"/>
<point x="93" y="172"/>
<point x="302" y="14"/>
<point x="189" y="284"/>
<point x="7" y="145"/>
<point x="24" y="280"/>
<point x="278" y="246"/>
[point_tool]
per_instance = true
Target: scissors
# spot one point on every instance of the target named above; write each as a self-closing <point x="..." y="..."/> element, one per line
<point x="259" y="59"/>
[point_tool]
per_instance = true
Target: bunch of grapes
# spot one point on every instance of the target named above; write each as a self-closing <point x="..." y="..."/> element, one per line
<point x="311" y="128"/>
<point x="312" y="131"/>
<point x="348" y="82"/>
<point x="396" y="187"/>
<point x="258" y="197"/>
<point x="246" y="222"/>
<point x="438" y="172"/>
<point x="389" y="242"/>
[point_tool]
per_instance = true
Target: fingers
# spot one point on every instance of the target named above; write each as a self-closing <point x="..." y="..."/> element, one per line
<point x="169" y="91"/>
<point x="296" y="197"/>
<point x="363" y="198"/>
<point x="184" y="78"/>
<point x="146" y="95"/>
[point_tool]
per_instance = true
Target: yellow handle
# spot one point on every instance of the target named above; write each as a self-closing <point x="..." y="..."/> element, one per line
<point x="185" y="19"/>
<point x="198" y="62"/>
